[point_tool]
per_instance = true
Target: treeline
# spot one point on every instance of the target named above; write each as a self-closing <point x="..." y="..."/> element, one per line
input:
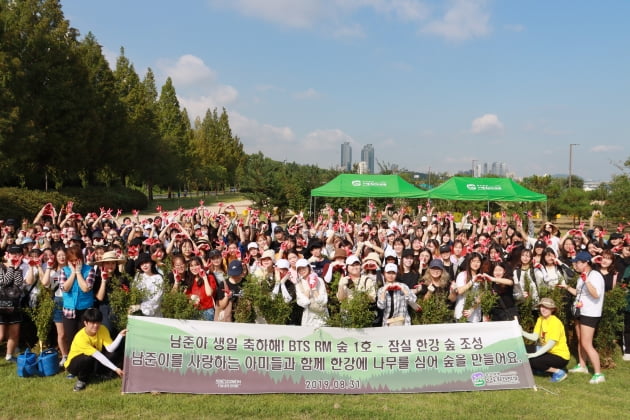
<point x="67" y="118"/>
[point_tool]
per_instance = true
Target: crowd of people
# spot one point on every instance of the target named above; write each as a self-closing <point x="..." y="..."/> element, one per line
<point x="397" y="259"/>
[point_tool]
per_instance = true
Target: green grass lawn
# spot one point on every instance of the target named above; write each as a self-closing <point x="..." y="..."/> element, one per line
<point x="52" y="397"/>
<point x="189" y="202"/>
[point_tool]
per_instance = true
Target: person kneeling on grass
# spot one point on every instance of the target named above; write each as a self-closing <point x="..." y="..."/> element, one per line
<point x="87" y="357"/>
<point x="552" y="355"/>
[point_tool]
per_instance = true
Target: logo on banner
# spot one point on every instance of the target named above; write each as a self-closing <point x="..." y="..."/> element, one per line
<point x="356" y="183"/>
<point x="471" y="187"/>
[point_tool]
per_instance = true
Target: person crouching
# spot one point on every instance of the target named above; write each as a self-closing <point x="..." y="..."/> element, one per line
<point x="87" y="357"/>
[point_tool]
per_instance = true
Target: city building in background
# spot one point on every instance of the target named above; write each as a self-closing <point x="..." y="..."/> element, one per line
<point x="346" y="156"/>
<point x="367" y="156"/>
<point x="497" y="168"/>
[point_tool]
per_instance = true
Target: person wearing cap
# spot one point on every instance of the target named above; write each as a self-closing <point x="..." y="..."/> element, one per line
<point x="311" y="295"/>
<point x="393" y="299"/>
<point x="551" y="353"/>
<point x="231" y="290"/>
<point x="589" y="299"/>
<point x="265" y="270"/>
<point x="218" y="266"/>
<point x="538" y="249"/>
<point x="615" y="242"/>
<point x="286" y="288"/>
<point x="437" y="283"/>
<point x="354" y="281"/>
<point x="148" y="281"/>
<point x="253" y="256"/>
<point x="109" y="271"/>
<point x="11" y="279"/>
<point x="337" y="265"/>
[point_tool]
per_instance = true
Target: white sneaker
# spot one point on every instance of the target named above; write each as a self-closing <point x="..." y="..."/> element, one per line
<point x="626" y="357"/>
<point x="578" y="369"/>
<point x="62" y="361"/>
<point x="598" y="378"/>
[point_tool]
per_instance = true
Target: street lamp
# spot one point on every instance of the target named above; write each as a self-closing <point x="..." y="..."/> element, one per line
<point x="571" y="161"/>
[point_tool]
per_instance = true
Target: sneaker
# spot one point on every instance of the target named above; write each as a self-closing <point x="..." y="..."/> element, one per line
<point x="62" y="361"/>
<point x="626" y="357"/>
<point x="578" y="369"/>
<point x="558" y="376"/>
<point x="11" y="359"/>
<point x="598" y="378"/>
<point x="69" y="376"/>
<point x="79" y="386"/>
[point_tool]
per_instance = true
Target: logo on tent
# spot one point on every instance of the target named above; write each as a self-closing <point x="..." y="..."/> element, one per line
<point x="356" y="183"/>
<point x="471" y="187"/>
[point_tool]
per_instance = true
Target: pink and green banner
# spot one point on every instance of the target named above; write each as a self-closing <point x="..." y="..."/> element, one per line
<point x="200" y="357"/>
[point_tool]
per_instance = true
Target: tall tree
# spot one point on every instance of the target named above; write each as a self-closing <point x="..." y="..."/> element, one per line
<point x="46" y="116"/>
<point x="174" y="128"/>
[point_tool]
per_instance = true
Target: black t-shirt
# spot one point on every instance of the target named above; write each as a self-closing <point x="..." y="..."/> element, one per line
<point x="236" y="289"/>
<point x="410" y="279"/>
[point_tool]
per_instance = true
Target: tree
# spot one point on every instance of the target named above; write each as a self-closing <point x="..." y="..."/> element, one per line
<point x="106" y="144"/>
<point x="46" y="116"/>
<point x="616" y="206"/>
<point x="174" y="128"/>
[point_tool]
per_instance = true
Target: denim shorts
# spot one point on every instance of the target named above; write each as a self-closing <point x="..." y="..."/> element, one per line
<point x="58" y="311"/>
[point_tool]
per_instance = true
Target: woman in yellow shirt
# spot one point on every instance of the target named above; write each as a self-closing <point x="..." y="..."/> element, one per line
<point x="551" y="353"/>
<point x="93" y="349"/>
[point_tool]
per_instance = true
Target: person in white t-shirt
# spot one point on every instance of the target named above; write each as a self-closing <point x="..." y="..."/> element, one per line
<point x="589" y="300"/>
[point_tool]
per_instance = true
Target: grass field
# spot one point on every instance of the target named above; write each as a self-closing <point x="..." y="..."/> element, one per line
<point x="191" y="201"/>
<point x="52" y="397"/>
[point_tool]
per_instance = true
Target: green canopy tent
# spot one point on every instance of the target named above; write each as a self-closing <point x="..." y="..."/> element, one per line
<point x="484" y="189"/>
<point x="367" y="186"/>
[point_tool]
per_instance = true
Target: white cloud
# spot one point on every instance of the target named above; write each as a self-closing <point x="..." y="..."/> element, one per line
<point x="296" y="14"/>
<point x="514" y="27"/>
<point x="465" y="19"/>
<point x="309" y="93"/>
<point x="188" y="70"/>
<point x="349" y="31"/>
<point x="332" y="16"/>
<point x="257" y="136"/>
<point x="325" y="140"/>
<point x="605" y="148"/>
<point x="487" y="124"/>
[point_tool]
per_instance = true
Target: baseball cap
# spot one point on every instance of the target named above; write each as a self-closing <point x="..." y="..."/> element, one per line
<point x="391" y="268"/>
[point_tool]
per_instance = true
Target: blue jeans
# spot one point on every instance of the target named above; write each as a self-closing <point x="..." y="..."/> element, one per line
<point x="208" y="314"/>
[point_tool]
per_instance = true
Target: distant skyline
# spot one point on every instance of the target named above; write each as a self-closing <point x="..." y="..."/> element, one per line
<point x="429" y="83"/>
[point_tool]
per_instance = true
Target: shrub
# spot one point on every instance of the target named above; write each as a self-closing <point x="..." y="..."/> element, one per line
<point x="42" y="314"/>
<point x="21" y="203"/>
<point x="353" y="313"/>
<point x="177" y="305"/>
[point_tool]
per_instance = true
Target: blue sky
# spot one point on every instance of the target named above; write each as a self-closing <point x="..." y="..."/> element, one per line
<point x="430" y="83"/>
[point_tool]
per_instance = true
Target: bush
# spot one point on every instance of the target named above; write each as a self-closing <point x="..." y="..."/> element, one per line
<point x="353" y="313"/>
<point x="93" y="198"/>
<point x="177" y="305"/>
<point x="21" y="203"/>
<point x="610" y="326"/>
